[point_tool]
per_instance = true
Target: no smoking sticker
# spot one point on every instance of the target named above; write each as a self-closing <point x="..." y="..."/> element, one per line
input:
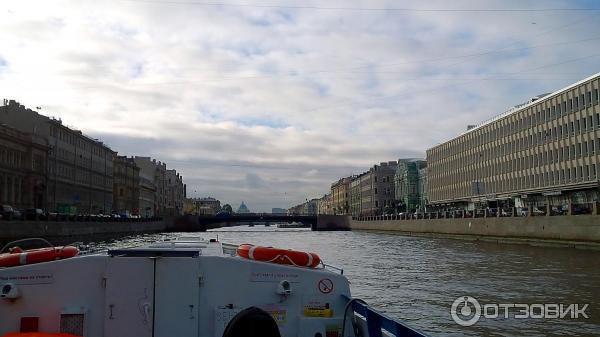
<point x="325" y="286"/>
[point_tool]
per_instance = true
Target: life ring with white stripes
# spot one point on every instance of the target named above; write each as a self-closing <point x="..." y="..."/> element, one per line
<point x="279" y="256"/>
<point x="19" y="257"/>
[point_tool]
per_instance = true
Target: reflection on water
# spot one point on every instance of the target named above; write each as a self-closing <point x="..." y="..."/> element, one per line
<point x="417" y="279"/>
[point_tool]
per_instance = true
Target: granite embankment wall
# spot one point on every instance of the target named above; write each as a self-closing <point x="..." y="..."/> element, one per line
<point x="579" y="231"/>
<point x="62" y="231"/>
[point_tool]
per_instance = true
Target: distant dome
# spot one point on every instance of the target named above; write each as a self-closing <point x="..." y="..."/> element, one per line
<point x="243" y="209"/>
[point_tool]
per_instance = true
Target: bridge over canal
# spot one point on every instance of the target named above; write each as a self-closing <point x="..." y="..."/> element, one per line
<point x="190" y="223"/>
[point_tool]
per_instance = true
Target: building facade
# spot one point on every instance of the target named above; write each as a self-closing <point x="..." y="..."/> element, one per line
<point x="296" y="210"/>
<point x="406" y="183"/>
<point x="544" y="151"/>
<point x="340" y="200"/>
<point x="383" y="188"/>
<point x="161" y="189"/>
<point x="175" y="193"/>
<point x="148" y="202"/>
<point x="323" y="205"/>
<point x="80" y="169"/>
<point x="23" y="169"/>
<point x="203" y="206"/>
<point x="423" y="198"/>
<point x="366" y="193"/>
<point x="147" y="192"/>
<point x="277" y="210"/>
<point x="188" y="206"/>
<point x="354" y="196"/>
<point x="160" y="181"/>
<point x="377" y="189"/>
<point x="126" y="191"/>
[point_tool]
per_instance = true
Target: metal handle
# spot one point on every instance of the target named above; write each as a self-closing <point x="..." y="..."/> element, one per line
<point x="146" y="313"/>
<point x="110" y="307"/>
<point x="10" y="244"/>
<point x="191" y="311"/>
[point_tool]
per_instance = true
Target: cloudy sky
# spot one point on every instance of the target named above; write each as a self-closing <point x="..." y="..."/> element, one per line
<point x="270" y="101"/>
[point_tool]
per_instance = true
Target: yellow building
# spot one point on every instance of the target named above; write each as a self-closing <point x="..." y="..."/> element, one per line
<point x="189" y="207"/>
<point x="340" y="200"/>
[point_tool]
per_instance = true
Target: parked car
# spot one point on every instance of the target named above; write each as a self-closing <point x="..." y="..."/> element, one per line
<point x="558" y="210"/>
<point x="34" y="214"/>
<point x="10" y="213"/>
<point x="537" y="211"/>
<point x="580" y="209"/>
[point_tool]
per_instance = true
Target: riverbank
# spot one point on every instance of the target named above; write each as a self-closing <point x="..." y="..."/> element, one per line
<point x="582" y="231"/>
<point x="63" y="231"/>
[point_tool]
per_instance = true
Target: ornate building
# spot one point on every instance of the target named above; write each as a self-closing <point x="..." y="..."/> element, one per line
<point x="243" y="209"/>
<point x="202" y="206"/>
<point x="23" y="169"/>
<point x="407" y="183"/>
<point x="80" y="168"/>
<point x="340" y="196"/>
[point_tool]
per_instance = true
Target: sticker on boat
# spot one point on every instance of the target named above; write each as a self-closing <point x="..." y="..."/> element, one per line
<point x="325" y="285"/>
<point x="279" y="313"/>
<point x="317" y="308"/>
<point x="268" y="275"/>
<point x="38" y="277"/>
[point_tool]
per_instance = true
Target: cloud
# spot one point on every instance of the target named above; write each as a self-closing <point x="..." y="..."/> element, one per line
<point x="254" y="182"/>
<point x="271" y="104"/>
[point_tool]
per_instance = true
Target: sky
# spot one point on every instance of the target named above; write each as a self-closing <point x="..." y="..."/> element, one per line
<point x="269" y="102"/>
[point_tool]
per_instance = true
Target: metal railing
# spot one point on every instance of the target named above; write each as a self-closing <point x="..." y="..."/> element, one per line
<point x="377" y="323"/>
<point x="542" y="210"/>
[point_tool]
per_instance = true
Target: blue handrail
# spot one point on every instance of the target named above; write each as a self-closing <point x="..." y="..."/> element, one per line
<point x="376" y="321"/>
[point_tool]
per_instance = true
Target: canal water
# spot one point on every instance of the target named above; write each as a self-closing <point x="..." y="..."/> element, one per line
<point x="417" y="279"/>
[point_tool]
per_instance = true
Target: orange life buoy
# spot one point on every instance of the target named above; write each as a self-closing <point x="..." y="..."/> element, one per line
<point x="277" y="255"/>
<point x="18" y="257"/>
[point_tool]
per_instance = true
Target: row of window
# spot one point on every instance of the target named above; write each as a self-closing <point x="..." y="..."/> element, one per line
<point x="519" y="161"/>
<point x="547" y="110"/>
<point x="386" y="203"/>
<point x="578" y="127"/>
<point x="79" y="176"/>
<point x="12" y="158"/>
<point x="75" y="139"/>
<point x="501" y="147"/>
<point x="546" y="179"/>
<point x="385" y="179"/>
